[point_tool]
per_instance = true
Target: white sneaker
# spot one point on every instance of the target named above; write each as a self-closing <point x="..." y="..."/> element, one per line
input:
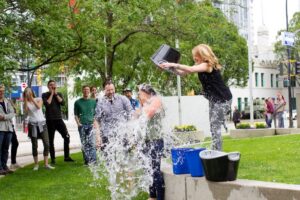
<point x="36" y="167"/>
<point x="15" y="166"/>
<point x="49" y="167"/>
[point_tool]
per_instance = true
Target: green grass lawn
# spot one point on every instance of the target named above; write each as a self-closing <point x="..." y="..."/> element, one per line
<point x="66" y="181"/>
<point x="275" y="159"/>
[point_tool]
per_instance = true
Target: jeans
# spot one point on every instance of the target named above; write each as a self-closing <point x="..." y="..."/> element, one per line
<point x="88" y="142"/>
<point x="154" y="149"/>
<point x="5" y="139"/>
<point x="280" y="120"/>
<point x="217" y="113"/>
<point x="59" y="125"/>
<point x="269" y="120"/>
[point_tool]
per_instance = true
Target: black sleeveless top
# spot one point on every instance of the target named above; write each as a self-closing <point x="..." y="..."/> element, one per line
<point x="214" y="87"/>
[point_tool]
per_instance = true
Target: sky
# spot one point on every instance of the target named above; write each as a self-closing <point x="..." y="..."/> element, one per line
<point x="272" y="14"/>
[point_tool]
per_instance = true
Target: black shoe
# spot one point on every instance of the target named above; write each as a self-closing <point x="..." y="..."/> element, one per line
<point x="8" y="171"/>
<point x="53" y="162"/>
<point x="69" y="159"/>
<point x="3" y="172"/>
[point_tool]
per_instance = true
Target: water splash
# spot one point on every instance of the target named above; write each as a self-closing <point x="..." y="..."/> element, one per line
<point x="125" y="163"/>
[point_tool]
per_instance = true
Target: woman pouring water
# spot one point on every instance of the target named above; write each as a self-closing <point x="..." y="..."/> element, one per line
<point x="214" y="89"/>
<point x="152" y="109"/>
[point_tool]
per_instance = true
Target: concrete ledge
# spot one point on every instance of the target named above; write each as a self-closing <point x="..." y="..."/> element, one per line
<point x="246" y="133"/>
<point x="285" y="131"/>
<point x="199" y="188"/>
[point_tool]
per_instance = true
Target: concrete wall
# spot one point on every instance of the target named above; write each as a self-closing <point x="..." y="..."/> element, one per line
<point x="185" y="187"/>
<point x="194" y="111"/>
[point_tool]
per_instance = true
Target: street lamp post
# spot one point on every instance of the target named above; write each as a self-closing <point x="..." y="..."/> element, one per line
<point x="250" y="62"/>
<point x="179" y="89"/>
<point x="289" y="70"/>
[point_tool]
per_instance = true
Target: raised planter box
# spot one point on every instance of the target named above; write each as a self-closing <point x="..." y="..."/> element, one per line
<point x="245" y="133"/>
<point x="189" y="136"/>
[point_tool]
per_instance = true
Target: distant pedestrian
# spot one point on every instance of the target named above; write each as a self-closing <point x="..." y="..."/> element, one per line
<point x="53" y="101"/>
<point x="269" y="109"/>
<point x="236" y="116"/>
<point x="84" y="110"/>
<point x="6" y="129"/>
<point x="134" y="103"/>
<point x="279" y="109"/>
<point x="37" y="127"/>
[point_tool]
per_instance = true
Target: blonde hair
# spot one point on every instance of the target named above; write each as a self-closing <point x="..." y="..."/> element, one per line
<point x="207" y="55"/>
<point x="2" y="87"/>
<point x="28" y="91"/>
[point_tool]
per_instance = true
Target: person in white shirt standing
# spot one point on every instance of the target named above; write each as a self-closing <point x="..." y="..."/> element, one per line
<point x="37" y="127"/>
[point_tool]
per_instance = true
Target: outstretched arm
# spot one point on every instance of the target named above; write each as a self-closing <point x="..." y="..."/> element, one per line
<point x="181" y="69"/>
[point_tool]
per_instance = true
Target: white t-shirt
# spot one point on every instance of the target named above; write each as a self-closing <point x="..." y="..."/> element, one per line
<point x="35" y="114"/>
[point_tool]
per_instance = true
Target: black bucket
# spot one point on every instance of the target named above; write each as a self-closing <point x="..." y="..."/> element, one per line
<point x="220" y="166"/>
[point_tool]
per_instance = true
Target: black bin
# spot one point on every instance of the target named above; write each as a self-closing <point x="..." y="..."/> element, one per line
<point x="220" y="166"/>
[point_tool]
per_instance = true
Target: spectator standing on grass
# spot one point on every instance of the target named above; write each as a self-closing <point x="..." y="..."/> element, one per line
<point x="37" y="128"/>
<point x="134" y="103"/>
<point x="6" y="129"/>
<point x="111" y="110"/>
<point x="14" y="145"/>
<point x="95" y="95"/>
<point x="53" y="101"/>
<point x="84" y="110"/>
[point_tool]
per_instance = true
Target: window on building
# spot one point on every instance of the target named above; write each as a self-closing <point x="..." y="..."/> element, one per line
<point x="272" y="84"/>
<point x="240" y="104"/>
<point x="246" y="101"/>
<point x="277" y="80"/>
<point x="262" y="79"/>
<point x="256" y="79"/>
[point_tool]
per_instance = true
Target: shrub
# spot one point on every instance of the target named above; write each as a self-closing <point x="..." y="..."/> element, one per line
<point x="260" y="125"/>
<point x="243" y="126"/>
<point x="185" y="128"/>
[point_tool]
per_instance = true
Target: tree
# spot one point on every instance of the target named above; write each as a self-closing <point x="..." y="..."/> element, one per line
<point x="98" y="40"/>
<point x="280" y="50"/>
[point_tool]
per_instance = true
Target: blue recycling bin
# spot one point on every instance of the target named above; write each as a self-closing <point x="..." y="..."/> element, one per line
<point x="194" y="162"/>
<point x="180" y="164"/>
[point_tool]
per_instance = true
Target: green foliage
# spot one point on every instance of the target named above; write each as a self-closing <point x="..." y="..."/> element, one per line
<point x="260" y="125"/>
<point x="185" y="128"/>
<point x="243" y="126"/>
<point x="64" y="91"/>
<point x="281" y="51"/>
<point x="98" y="40"/>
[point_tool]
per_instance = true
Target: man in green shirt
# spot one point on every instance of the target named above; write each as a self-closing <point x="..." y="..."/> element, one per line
<point x="84" y="110"/>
